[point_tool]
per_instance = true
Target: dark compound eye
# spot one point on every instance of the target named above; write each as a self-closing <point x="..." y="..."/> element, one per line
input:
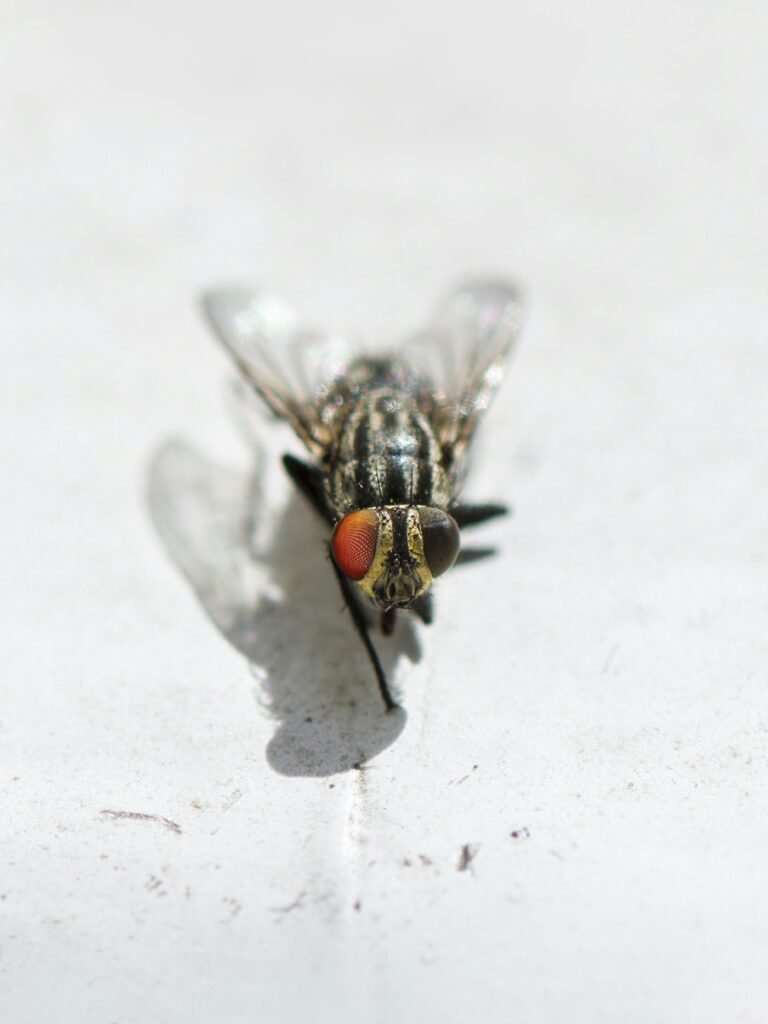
<point x="441" y="539"/>
<point x="353" y="544"/>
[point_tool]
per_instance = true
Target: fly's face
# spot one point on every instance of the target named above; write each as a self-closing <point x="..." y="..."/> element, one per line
<point x="393" y="553"/>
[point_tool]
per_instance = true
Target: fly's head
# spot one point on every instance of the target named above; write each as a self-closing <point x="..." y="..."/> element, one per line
<point x="394" y="553"/>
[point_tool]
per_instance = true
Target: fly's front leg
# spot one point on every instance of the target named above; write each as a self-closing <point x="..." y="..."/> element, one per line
<point x="424" y="607"/>
<point x="309" y="481"/>
<point x="388" y="621"/>
<point x="469" y="555"/>
<point x="471" y="515"/>
<point x="362" y="628"/>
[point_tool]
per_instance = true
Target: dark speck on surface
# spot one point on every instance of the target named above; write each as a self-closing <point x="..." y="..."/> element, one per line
<point x="466" y="857"/>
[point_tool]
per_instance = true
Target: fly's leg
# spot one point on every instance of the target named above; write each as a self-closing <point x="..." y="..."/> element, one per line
<point x="388" y="621"/>
<point x="471" y="515"/>
<point x="424" y="607"/>
<point x="309" y="481"/>
<point x="362" y="628"/>
<point x="468" y="555"/>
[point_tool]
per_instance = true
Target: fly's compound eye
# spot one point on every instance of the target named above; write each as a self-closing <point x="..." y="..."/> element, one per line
<point x="353" y="544"/>
<point x="441" y="539"/>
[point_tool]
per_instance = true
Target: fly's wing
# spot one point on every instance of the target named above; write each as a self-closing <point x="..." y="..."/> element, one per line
<point x="286" y="366"/>
<point x="461" y="357"/>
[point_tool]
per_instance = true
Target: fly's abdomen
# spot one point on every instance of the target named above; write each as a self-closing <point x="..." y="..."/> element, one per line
<point x="386" y="454"/>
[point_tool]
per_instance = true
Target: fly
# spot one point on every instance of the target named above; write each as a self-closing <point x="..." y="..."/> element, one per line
<point x="387" y="436"/>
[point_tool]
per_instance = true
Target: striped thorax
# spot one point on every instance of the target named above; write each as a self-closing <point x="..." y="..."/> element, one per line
<point x="386" y="450"/>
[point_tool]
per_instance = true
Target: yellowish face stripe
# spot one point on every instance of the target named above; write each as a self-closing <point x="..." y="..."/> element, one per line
<point x="385" y="543"/>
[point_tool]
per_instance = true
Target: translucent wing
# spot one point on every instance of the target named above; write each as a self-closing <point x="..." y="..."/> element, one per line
<point x="287" y="366"/>
<point x="462" y="355"/>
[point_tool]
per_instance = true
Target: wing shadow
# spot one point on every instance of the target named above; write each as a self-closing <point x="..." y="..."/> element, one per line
<point x="267" y="590"/>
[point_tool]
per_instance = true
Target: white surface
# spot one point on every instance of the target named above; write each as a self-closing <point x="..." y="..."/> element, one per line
<point x="601" y="684"/>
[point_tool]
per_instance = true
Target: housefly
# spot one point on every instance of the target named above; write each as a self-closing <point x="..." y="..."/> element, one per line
<point x="387" y="436"/>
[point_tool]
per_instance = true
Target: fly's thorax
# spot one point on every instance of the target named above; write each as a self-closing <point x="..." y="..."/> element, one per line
<point x="394" y="552"/>
<point x="386" y="454"/>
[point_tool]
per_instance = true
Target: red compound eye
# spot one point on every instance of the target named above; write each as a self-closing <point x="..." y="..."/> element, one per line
<point x="354" y="543"/>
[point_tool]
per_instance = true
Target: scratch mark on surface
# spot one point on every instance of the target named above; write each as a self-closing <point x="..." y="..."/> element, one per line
<point x="609" y="660"/>
<point x="234" y="907"/>
<point x="231" y="799"/>
<point x="458" y="782"/>
<point x="172" y="826"/>
<point x="467" y="855"/>
<point x="297" y="903"/>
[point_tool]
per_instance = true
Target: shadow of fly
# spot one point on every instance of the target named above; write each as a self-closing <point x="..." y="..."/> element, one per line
<point x="387" y="435"/>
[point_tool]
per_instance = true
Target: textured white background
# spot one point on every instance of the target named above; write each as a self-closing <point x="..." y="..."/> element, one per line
<point x="599" y="688"/>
